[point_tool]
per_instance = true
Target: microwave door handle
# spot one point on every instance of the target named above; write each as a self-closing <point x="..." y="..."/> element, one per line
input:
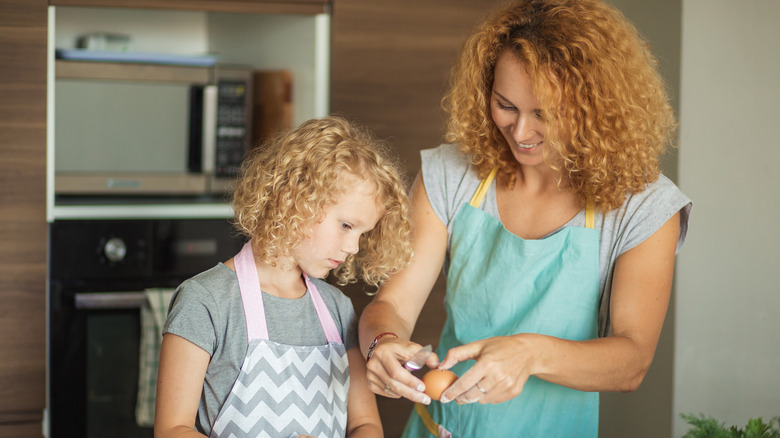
<point x="110" y="300"/>
<point x="209" y="138"/>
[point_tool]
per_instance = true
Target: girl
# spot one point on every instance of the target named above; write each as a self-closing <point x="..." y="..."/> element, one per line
<point x="284" y="362"/>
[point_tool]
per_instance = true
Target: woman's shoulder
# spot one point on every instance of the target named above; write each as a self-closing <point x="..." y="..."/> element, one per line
<point x="661" y="194"/>
<point x="447" y="156"/>
<point x="450" y="179"/>
<point x="645" y="212"/>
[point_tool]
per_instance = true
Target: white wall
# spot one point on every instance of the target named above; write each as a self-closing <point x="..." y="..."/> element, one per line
<point x="727" y="347"/>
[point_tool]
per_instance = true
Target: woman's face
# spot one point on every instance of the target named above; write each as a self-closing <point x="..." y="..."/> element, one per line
<point x="516" y="111"/>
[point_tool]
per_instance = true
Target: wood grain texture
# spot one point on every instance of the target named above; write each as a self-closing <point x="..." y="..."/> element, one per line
<point x="390" y="64"/>
<point x="23" y="229"/>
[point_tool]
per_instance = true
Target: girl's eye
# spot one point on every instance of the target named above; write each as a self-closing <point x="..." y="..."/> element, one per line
<point x="346" y="226"/>
<point x="538" y="114"/>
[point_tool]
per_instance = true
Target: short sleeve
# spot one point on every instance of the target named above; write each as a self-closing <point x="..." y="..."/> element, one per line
<point x="192" y="315"/>
<point x="645" y="213"/>
<point x="449" y="180"/>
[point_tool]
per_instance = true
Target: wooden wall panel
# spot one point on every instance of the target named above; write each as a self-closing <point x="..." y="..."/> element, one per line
<point x="390" y="64"/>
<point x="23" y="230"/>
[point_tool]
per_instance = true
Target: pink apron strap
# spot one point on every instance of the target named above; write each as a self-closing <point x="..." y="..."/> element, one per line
<point x="251" y="294"/>
<point x="326" y="320"/>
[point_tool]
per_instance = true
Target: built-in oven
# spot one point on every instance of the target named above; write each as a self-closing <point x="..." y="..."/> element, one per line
<point x="99" y="272"/>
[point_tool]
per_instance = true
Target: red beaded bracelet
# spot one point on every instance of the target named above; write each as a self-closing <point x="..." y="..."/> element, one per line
<point x="376" y="339"/>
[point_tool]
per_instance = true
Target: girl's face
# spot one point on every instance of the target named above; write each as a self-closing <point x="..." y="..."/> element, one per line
<point x="337" y="234"/>
<point x="516" y="111"/>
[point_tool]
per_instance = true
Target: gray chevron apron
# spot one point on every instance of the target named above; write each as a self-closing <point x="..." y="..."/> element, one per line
<point x="499" y="284"/>
<point x="284" y="390"/>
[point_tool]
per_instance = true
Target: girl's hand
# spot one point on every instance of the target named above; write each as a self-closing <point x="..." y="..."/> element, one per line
<point x="503" y="366"/>
<point x="388" y="377"/>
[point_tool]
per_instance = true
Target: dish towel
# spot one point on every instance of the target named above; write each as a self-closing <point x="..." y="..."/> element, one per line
<point x="153" y="314"/>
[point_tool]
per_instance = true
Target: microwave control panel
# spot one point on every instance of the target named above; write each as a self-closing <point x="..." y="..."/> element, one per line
<point x="231" y="129"/>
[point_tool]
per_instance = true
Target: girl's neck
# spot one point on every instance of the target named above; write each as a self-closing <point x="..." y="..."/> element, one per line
<point x="282" y="280"/>
<point x="277" y="280"/>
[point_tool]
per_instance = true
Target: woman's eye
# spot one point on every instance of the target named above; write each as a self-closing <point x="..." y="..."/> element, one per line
<point x="505" y="107"/>
<point x="538" y="114"/>
<point x="346" y="226"/>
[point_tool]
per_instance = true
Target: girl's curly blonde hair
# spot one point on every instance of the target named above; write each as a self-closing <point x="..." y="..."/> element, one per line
<point x="287" y="184"/>
<point x="604" y="103"/>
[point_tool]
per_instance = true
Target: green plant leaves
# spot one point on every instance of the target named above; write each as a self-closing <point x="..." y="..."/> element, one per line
<point x="707" y="427"/>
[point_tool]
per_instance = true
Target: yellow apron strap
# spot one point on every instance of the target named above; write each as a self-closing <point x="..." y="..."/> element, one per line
<point x="427" y="420"/>
<point x="590" y="214"/>
<point x="483" y="188"/>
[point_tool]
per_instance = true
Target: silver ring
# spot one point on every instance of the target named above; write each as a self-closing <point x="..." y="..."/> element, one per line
<point x="387" y="388"/>
<point x="480" y="389"/>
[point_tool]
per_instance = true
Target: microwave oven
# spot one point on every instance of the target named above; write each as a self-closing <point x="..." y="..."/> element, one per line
<point x="145" y="129"/>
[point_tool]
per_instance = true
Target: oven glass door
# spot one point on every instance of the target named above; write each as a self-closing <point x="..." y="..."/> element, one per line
<point x="94" y="386"/>
<point x="112" y="364"/>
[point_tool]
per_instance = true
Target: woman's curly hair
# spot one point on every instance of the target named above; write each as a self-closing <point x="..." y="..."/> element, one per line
<point x="604" y="103"/>
<point x="287" y="184"/>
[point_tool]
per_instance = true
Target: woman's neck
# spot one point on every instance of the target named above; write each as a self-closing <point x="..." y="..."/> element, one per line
<point x="539" y="180"/>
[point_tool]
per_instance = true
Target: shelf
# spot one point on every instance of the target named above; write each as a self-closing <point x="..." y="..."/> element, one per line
<point x="143" y="211"/>
<point x="64" y="69"/>
<point x="242" y="6"/>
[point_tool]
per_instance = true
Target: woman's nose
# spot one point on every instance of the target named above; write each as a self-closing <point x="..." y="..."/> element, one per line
<point x="525" y="129"/>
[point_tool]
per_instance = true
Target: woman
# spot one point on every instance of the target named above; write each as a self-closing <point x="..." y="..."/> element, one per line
<point x="551" y="219"/>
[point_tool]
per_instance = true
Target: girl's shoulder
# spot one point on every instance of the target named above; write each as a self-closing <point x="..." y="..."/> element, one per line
<point x="333" y="296"/>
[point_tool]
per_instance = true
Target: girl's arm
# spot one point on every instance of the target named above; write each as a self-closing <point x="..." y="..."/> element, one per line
<point x="179" y="386"/>
<point x="362" y="414"/>
<point x="398" y="303"/>
<point x="642" y="284"/>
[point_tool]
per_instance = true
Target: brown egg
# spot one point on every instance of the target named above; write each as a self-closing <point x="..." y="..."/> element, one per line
<point x="437" y="381"/>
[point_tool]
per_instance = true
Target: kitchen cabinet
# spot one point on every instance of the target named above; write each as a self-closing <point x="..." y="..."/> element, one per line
<point x="22" y="216"/>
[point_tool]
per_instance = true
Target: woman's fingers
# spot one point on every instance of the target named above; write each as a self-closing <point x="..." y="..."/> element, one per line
<point x="499" y="374"/>
<point x="388" y="377"/>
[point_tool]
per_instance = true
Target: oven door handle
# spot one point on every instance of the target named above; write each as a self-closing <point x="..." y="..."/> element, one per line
<point x="110" y="300"/>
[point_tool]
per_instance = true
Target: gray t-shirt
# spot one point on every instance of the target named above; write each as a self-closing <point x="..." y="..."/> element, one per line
<point x="450" y="182"/>
<point x="207" y="310"/>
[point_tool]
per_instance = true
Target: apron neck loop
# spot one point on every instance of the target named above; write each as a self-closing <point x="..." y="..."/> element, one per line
<point x="590" y="214"/>
<point x="479" y="195"/>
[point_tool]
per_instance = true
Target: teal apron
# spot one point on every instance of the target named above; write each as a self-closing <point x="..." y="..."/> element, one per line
<point x="499" y="284"/>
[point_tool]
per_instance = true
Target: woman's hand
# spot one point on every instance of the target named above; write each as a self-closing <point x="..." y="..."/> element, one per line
<point x="503" y="366"/>
<point x="388" y="377"/>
